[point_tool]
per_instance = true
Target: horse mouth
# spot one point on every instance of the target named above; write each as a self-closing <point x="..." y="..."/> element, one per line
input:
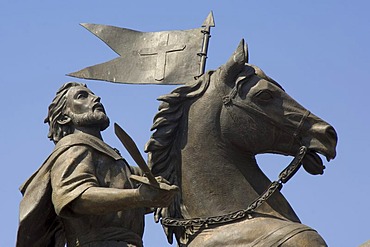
<point x="323" y="142"/>
<point x="313" y="163"/>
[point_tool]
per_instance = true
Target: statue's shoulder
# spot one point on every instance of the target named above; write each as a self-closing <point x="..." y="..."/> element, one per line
<point x="85" y="140"/>
<point x="72" y="140"/>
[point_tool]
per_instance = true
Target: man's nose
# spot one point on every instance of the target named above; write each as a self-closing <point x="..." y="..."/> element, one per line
<point x="96" y="98"/>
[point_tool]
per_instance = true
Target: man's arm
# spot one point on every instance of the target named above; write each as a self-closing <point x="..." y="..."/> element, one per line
<point x="97" y="200"/>
<point x="76" y="189"/>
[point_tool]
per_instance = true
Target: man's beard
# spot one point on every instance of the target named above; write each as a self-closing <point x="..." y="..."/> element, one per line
<point x="95" y="118"/>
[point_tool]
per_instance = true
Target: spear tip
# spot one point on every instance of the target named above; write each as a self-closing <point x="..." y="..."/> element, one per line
<point x="209" y="21"/>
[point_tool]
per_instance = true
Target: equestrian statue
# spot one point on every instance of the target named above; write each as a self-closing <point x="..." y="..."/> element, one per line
<point x="207" y="185"/>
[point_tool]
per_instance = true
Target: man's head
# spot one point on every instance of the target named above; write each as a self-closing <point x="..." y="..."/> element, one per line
<point x="74" y="106"/>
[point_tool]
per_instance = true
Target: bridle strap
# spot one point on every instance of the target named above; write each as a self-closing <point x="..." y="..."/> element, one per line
<point x="284" y="177"/>
<point x="299" y="128"/>
<point x="228" y="102"/>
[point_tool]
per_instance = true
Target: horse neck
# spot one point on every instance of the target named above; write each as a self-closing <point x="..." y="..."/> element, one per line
<point x="217" y="178"/>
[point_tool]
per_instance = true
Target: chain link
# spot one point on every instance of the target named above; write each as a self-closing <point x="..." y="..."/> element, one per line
<point x="284" y="177"/>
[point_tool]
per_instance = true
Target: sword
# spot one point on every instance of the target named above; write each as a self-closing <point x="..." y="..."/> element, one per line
<point x="135" y="154"/>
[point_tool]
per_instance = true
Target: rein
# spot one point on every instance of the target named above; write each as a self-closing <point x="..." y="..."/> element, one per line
<point x="284" y="177"/>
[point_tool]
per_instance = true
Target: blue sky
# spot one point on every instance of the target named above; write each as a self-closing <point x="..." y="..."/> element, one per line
<point x="317" y="50"/>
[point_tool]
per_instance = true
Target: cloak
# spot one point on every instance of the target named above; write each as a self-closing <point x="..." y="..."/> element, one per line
<point x="38" y="223"/>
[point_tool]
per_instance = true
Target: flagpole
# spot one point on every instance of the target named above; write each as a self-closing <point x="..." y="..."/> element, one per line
<point x="150" y="57"/>
<point x="207" y="24"/>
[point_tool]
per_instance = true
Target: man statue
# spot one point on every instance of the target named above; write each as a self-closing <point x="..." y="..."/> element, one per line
<point x="82" y="195"/>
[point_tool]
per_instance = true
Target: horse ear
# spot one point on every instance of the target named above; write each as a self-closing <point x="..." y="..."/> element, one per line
<point x="246" y="52"/>
<point x="235" y="64"/>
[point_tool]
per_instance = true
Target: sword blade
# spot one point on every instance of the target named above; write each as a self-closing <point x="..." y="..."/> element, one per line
<point x="134" y="152"/>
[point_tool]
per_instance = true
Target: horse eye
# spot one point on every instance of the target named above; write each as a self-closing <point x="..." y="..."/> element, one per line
<point x="264" y="95"/>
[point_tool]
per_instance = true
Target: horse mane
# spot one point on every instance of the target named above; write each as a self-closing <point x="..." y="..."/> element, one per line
<point x="163" y="146"/>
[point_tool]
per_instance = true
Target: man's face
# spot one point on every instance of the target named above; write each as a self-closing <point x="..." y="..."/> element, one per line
<point x="84" y="108"/>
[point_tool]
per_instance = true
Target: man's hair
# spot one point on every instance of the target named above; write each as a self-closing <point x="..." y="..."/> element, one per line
<point x="56" y="112"/>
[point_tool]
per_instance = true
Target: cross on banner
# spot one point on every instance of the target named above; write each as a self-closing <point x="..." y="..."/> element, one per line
<point x="161" y="51"/>
<point x="167" y="57"/>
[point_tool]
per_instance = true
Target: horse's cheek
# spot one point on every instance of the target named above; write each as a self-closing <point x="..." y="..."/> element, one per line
<point x="235" y="126"/>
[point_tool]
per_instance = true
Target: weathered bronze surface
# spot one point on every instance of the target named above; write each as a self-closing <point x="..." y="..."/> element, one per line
<point x="82" y="194"/>
<point x="206" y="136"/>
<point x="134" y="152"/>
<point x="167" y="57"/>
<point x="205" y="141"/>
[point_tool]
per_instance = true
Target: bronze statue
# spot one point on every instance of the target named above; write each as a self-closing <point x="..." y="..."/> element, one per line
<point x="207" y="134"/>
<point x="206" y="137"/>
<point x="83" y="194"/>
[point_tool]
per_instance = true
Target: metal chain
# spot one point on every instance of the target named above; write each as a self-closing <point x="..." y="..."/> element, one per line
<point x="284" y="177"/>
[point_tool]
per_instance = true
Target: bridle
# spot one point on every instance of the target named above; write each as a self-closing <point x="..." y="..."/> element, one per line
<point x="194" y="225"/>
<point x="229" y="102"/>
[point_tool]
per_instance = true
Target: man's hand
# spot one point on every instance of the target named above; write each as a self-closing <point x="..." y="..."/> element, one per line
<point x="152" y="196"/>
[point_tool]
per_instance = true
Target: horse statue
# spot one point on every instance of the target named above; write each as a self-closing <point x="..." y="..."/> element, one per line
<point x="206" y="135"/>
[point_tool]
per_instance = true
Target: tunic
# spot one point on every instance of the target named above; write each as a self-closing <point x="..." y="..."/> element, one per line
<point x="78" y="162"/>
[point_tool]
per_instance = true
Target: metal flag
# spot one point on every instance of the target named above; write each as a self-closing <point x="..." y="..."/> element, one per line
<point x="166" y="57"/>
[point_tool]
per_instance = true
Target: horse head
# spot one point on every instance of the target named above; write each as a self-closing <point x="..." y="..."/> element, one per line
<point x="268" y="119"/>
